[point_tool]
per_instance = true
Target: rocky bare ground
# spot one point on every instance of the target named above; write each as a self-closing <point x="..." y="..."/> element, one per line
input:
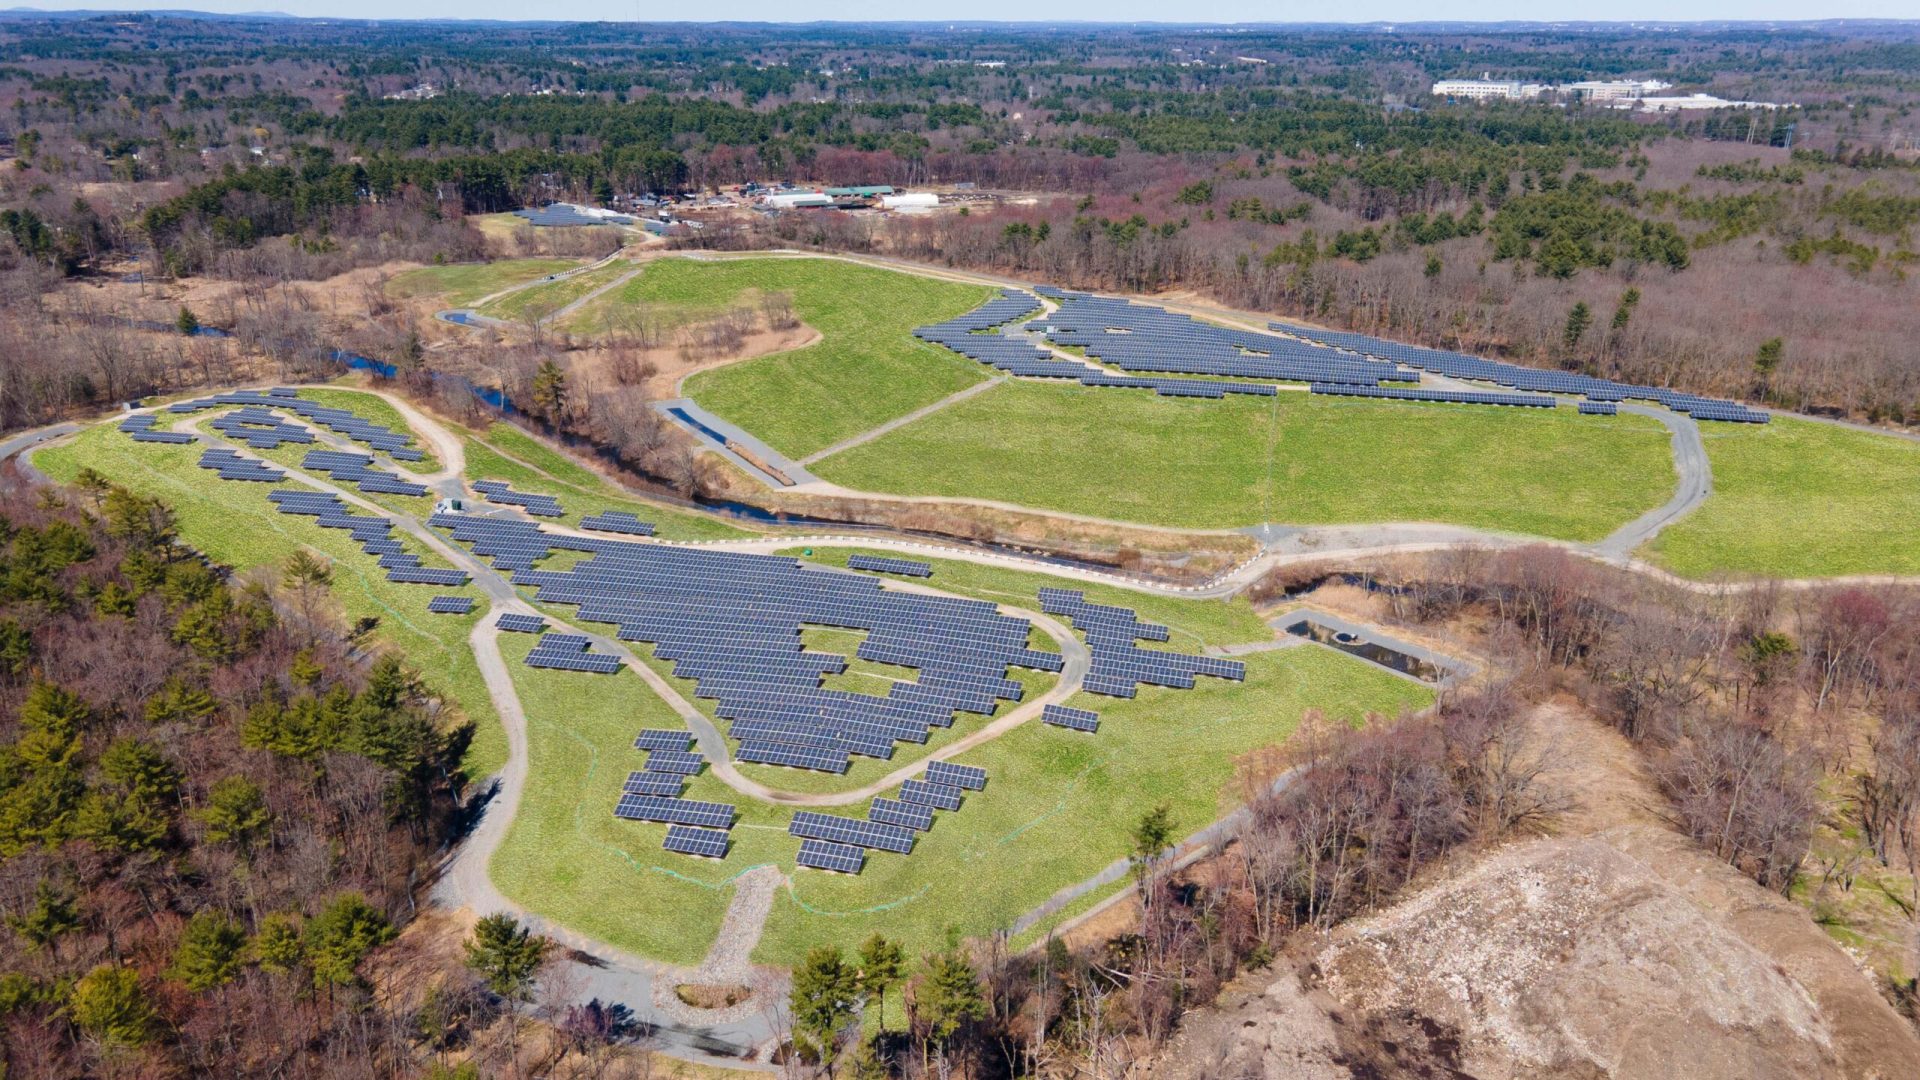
<point x="1615" y="950"/>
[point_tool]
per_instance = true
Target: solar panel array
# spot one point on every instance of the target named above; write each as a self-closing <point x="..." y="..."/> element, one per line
<point x="498" y="491"/>
<point x="677" y="762"/>
<point x="923" y="793"/>
<point x="450" y="605"/>
<point x="707" y="815"/>
<point x="1118" y="665"/>
<point x="261" y="429"/>
<point x="568" y="652"/>
<point x="903" y="567"/>
<point x="687" y="840"/>
<point x="732" y="622"/>
<point x="960" y="776"/>
<point x="1076" y="719"/>
<point x="1016" y="356"/>
<point x="1143" y="337"/>
<point x="617" y="521"/>
<point x="1599" y="408"/>
<point x="339" y="421"/>
<point x="1463" y="366"/>
<point x="140" y="426"/>
<point x="808" y="825"/>
<point x="346" y="467"/>
<point x="374" y="534"/>
<point x="231" y="466"/>
<point x="890" y="824"/>
<point x="894" y="812"/>
<point x="663" y="739"/>
<point x="521" y="624"/>
<point x="825" y="855"/>
<point x="1455" y="397"/>
<point x="664" y="784"/>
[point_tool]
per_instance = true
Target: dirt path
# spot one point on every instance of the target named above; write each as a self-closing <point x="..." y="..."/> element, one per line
<point x="902" y="421"/>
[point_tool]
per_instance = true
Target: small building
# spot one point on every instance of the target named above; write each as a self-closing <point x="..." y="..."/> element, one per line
<point x="869" y="191"/>
<point x="910" y="200"/>
<point x="799" y="200"/>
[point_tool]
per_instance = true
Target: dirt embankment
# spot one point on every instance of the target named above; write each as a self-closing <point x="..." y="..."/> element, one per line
<point x="1616" y="949"/>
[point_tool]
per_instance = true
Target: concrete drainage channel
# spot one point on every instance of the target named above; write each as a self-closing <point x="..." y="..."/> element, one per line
<point x="1366" y="643"/>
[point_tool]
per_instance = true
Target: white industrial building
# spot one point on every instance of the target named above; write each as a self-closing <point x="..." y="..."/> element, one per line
<point x="1485" y="90"/>
<point x="1614" y="89"/>
<point x="1615" y="93"/>
<point x="910" y="200"/>
<point x="795" y="200"/>
<point x="1695" y="101"/>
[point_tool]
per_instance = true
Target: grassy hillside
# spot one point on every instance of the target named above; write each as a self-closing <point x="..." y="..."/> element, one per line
<point x="1303" y="460"/>
<point x="868" y="369"/>
<point x="462" y="284"/>
<point x="1798" y="498"/>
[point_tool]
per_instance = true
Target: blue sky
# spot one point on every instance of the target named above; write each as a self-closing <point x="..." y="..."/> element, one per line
<point x="1224" y="11"/>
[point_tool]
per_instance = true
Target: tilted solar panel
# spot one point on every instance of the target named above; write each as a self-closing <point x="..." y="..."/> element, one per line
<point x="824" y="855"/>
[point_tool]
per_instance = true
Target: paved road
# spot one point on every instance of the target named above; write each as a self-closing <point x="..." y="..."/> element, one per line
<point x="1695" y="484"/>
<point x="26" y="440"/>
<point x="698" y="417"/>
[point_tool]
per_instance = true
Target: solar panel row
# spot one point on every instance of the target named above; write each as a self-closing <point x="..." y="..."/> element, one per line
<point x="960" y="776"/>
<point x="1463" y="366"/>
<point x="617" y="521"/>
<point x="809" y="825"/>
<point x="904" y="567"/>
<point x="824" y="855"/>
<point x="339" y="421"/>
<point x="662" y="739"/>
<point x="1077" y="719"/>
<point x="706" y="843"/>
<point x="498" y="491"/>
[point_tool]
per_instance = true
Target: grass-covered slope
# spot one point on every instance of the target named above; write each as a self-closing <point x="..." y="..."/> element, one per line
<point x="867" y="369"/>
<point x="1798" y="498"/>
<point x="463" y="283"/>
<point x="1130" y="455"/>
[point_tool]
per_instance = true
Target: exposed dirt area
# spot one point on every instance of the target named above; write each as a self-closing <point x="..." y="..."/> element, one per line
<point x="671" y="364"/>
<point x="1177" y="556"/>
<point x="712" y="997"/>
<point x="1615" y="949"/>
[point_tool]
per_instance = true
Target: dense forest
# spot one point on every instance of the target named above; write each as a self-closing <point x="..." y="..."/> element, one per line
<point x="214" y="803"/>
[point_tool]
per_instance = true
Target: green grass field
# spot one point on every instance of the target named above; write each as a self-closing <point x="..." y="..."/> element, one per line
<point x="504" y="452"/>
<point x="463" y="283"/>
<point x="868" y="368"/>
<point x="236" y="525"/>
<point x="566" y="855"/>
<point x="1797" y="498"/>
<point x="544" y="300"/>
<point x="1132" y="456"/>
